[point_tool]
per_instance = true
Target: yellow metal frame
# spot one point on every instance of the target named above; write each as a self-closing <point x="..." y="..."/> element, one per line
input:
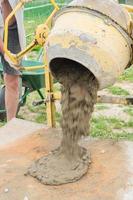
<point x="50" y="95"/>
<point x="128" y="8"/>
<point x="34" y="43"/>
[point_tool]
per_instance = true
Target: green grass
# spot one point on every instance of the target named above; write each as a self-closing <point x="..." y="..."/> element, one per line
<point x="34" y="18"/>
<point x="41" y="118"/>
<point x="34" y="113"/>
<point x="129" y="124"/>
<point x="115" y="90"/>
<point x="111" y="128"/>
<point x="127" y="75"/>
<point x="101" y="107"/>
<point x="58" y="117"/>
<point x="129" y="110"/>
<point x="43" y="2"/>
<point x="2" y="123"/>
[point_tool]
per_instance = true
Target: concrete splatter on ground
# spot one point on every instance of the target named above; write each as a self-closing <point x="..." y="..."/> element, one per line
<point x="108" y="176"/>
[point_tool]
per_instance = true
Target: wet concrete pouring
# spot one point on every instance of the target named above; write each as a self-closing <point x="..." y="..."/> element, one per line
<point x="70" y="162"/>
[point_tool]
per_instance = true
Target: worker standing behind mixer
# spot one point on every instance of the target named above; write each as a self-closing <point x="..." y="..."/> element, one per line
<point x="16" y="42"/>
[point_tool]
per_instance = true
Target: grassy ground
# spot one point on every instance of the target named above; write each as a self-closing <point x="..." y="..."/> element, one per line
<point x="115" y="90"/>
<point x="33" y="18"/>
<point x="102" y="125"/>
<point x="113" y="128"/>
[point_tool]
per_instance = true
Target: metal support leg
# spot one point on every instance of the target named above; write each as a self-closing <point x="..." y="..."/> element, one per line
<point x="50" y="106"/>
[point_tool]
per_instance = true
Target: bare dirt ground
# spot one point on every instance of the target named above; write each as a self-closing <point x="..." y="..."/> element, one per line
<point x="110" y="175"/>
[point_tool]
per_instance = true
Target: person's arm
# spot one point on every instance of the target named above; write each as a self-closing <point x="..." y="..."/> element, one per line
<point x="6" y="10"/>
<point x="6" y="57"/>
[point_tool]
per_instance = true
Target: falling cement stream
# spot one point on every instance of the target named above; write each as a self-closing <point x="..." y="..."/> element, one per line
<point x="70" y="162"/>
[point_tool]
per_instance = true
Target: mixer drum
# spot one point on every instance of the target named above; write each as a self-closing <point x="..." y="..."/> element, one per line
<point x="94" y="33"/>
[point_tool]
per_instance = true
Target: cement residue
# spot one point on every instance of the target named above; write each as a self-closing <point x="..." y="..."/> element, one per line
<point x="70" y="162"/>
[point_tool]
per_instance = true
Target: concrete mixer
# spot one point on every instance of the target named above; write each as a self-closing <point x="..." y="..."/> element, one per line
<point x="94" y="33"/>
<point x="98" y="34"/>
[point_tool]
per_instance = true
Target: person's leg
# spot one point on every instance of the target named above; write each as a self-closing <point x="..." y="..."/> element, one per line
<point x="11" y="95"/>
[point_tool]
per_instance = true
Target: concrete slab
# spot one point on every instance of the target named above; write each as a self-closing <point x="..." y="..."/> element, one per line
<point x="16" y="129"/>
<point x="110" y="176"/>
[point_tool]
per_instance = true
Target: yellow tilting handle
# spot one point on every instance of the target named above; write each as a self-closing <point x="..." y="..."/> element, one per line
<point x="35" y="42"/>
